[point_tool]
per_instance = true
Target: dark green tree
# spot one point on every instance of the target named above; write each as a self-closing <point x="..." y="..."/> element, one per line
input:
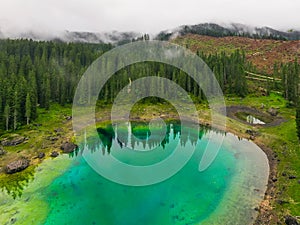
<point x="28" y="108"/>
<point x="6" y="116"/>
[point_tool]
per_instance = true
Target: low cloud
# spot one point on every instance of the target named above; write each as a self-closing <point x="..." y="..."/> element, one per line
<point x="51" y="16"/>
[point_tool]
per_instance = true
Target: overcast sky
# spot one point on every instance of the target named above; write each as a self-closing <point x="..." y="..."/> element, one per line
<point x="142" y="15"/>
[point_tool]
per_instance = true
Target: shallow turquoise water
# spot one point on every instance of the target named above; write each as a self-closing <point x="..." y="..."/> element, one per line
<point x="81" y="196"/>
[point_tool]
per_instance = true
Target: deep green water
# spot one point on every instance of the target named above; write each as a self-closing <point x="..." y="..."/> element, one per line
<point x="225" y="193"/>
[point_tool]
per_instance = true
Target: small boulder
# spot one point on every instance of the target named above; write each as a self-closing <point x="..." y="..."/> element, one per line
<point x="54" y="154"/>
<point x="274" y="179"/>
<point x="289" y="220"/>
<point x="52" y="138"/>
<point x="41" y="155"/>
<point x="292" y="177"/>
<point x="68" y="147"/>
<point x="252" y="132"/>
<point x="68" y="117"/>
<point x="17" y="166"/>
<point x="272" y="111"/>
<point x="281" y="202"/>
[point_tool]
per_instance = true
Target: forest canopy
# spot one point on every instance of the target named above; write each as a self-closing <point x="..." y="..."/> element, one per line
<point x="35" y="74"/>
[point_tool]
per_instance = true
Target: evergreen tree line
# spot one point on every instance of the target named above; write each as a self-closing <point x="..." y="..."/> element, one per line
<point x="289" y="86"/>
<point x="290" y="81"/>
<point x="228" y="69"/>
<point x="34" y="74"/>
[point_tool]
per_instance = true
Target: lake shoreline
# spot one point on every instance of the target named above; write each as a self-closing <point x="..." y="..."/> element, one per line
<point x="266" y="214"/>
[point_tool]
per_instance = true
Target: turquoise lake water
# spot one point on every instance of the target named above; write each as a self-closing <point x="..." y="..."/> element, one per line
<point x="73" y="193"/>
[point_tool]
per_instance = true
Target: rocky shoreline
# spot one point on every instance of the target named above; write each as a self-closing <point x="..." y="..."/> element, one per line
<point x="266" y="214"/>
<point x="23" y="162"/>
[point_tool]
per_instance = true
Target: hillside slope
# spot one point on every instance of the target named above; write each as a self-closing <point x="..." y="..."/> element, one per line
<point x="263" y="53"/>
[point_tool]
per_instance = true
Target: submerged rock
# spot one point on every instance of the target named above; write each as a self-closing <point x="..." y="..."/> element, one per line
<point x="68" y="147"/>
<point x="54" y="154"/>
<point x="289" y="220"/>
<point x="17" y="166"/>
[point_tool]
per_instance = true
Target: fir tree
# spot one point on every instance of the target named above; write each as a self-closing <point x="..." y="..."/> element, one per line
<point x="28" y="109"/>
<point x="6" y="116"/>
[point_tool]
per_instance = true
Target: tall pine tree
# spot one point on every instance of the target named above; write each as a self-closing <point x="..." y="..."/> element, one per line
<point x="28" y="108"/>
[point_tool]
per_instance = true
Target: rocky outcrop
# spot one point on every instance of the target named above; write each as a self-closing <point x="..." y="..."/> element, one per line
<point x="17" y="166"/>
<point x="13" y="142"/>
<point x="68" y="147"/>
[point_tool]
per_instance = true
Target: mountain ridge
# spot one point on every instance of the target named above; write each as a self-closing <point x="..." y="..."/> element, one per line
<point x="233" y="29"/>
<point x="116" y="37"/>
<point x="113" y="37"/>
